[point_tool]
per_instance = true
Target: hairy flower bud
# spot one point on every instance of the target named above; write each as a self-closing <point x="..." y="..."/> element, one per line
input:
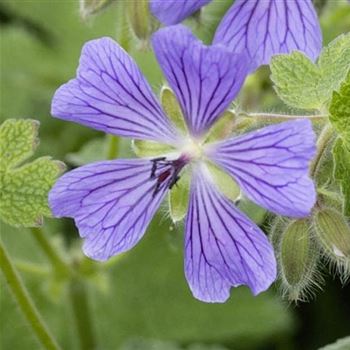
<point x="333" y="234"/>
<point x="91" y="7"/>
<point x="141" y="20"/>
<point x="297" y="259"/>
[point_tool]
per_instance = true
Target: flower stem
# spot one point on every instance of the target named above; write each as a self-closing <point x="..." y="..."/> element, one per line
<point x="57" y="262"/>
<point x="282" y="117"/>
<point x="322" y="143"/>
<point x="80" y="307"/>
<point x="24" y="301"/>
<point x="112" y="149"/>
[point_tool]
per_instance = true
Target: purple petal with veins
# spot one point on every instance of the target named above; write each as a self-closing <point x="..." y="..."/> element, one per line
<point x="111" y="94"/>
<point x="113" y="202"/>
<point x="223" y="248"/>
<point x="269" y="27"/>
<point x="271" y="165"/>
<point x="205" y="79"/>
<point x="174" y="11"/>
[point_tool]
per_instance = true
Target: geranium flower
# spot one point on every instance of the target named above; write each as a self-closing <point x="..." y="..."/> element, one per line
<point x="261" y="28"/>
<point x="112" y="202"/>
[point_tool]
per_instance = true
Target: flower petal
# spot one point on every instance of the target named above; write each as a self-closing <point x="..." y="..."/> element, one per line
<point x="174" y="11"/>
<point x="112" y="203"/>
<point x="111" y="94"/>
<point x="271" y="165"/>
<point x="269" y="27"/>
<point x="205" y="79"/>
<point x="223" y="248"/>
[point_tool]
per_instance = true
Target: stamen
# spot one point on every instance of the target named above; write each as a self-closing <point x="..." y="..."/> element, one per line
<point x="166" y="172"/>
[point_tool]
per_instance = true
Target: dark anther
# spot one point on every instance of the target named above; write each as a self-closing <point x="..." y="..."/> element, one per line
<point x="154" y="165"/>
<point x="168" y="172"/>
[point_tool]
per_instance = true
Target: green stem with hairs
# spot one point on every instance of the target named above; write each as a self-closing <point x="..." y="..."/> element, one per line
<point x="25" y="302"/>
<point x="77" y="291"/>
<point x="81" y="311"/>
<point x="272" y="117"/>
<point x="55" y="259"/>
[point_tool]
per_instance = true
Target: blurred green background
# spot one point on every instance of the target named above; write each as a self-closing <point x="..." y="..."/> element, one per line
<point x="141" y="300"/>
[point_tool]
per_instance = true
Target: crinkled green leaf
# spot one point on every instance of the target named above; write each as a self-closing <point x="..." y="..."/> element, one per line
<point x="24" y="189"/>
<point x="302" y="84"/>
<point x="340" y="110"/>
<point x="341" y="156"/>
<point x="178" y="198"/>
<point x="296" y="80"/>
<point x="340" y="344"/>
<point x="172" y="108"/>
<point x="18" y="140"/>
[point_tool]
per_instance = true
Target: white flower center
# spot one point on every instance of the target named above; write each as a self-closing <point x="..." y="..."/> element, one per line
<point x="193" y="149"/>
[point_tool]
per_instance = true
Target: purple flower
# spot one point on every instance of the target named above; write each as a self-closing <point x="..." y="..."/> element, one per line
<point x="112" y="202"/>
<point x="261" y="28"/>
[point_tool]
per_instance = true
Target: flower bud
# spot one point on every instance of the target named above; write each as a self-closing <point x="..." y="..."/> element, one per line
<point x="333" y="234"/>
<point x="297" y="259"/>
<point x="141" y="20"/>
<point x="91" y="7"/>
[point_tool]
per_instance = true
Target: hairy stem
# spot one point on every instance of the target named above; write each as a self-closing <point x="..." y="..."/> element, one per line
<point x="31" y="268"/>
<point x="24" y="301"/>
<point x="283" y="117"/>
<point x="81" y="311"/>
<point x="56" y="260"/>
<point x="322" y="143"/>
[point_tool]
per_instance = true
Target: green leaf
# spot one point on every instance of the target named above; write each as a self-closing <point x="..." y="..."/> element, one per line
<point x="302" y="84"/>
<point x="173" y="109"/>
<point x="18" y="140"/>
<point x="24" y="189"/>
<point x="340" y="344"/>
<point x="341" y="157"/>
<point x="179" y="197"/>
<point x="340" y="110"/>
<point x="296" y="80"/>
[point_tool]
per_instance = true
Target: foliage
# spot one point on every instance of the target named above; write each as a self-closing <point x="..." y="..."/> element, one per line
<point x="302" y="84"/>
<point x="24" y="188"/>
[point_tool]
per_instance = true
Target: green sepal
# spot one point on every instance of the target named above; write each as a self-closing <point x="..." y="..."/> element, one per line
<point x="172" y="109"/>
<point x="225" y="183"/>
<point x="302" y="84"/>
<point x="222" y="128"/>
<point x="341" y="158"/>
<point x="340" y="110"/>
<point x="146" y="149"/>
<point x="179" y="197"/>
<point x="24" y="189"/>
